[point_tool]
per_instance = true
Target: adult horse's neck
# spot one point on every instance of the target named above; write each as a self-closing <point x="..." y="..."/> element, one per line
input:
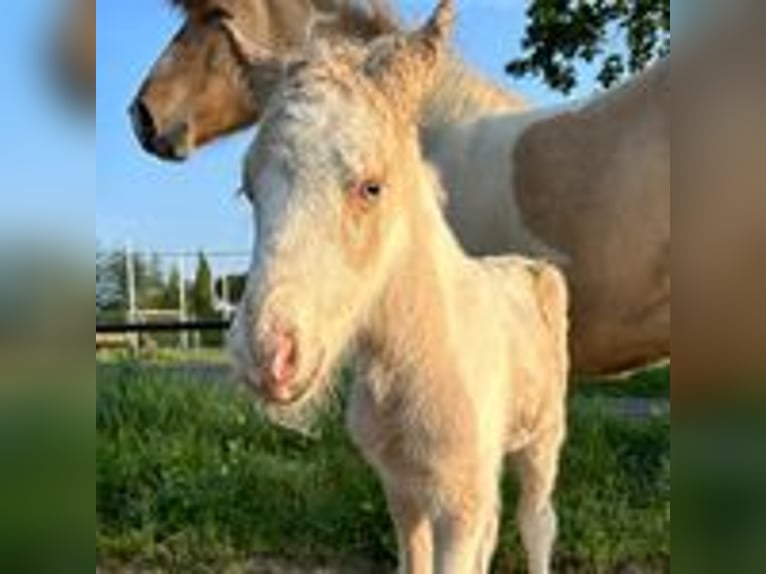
<point x="461" y="93"/>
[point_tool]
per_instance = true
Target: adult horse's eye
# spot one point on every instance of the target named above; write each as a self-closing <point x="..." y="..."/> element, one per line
<point x="370" y="189"/>
<point x="217" y="14"/>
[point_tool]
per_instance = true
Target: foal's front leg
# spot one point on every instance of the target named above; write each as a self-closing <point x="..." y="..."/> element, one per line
<point x="488" y="542"/>
<point x="413" y="533"/>
<point x="460" y="544"/>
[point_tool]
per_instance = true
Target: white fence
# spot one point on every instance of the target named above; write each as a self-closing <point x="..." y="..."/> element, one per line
<point x="139" y="290"/>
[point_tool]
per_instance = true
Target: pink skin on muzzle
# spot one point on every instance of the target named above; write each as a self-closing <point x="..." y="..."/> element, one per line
<point x="279" y="367"/>
<point x="282" y="368"/>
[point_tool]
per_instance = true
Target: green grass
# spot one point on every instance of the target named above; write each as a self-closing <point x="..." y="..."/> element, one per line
<point x="189" y="473"/>
<point x="166" y="356"/>
<point x="653" y="383"/>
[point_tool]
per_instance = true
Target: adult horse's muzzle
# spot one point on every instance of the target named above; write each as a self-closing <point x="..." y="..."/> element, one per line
<point x="172" y="144"/>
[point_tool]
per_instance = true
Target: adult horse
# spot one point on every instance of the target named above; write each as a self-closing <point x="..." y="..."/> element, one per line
<point x="588" y="186"/>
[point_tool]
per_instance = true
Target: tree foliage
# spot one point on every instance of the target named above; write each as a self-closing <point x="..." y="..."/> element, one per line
<point x="158" y="287"/>
<point x="235" y="287"/>
<point x="153" y="290"/>
<point x="171" y="298"/>
<point x="111" y="284"/>
<point x="619" y="35"/>
<point x="202" y="289"/>
<point x="107" y="286"/>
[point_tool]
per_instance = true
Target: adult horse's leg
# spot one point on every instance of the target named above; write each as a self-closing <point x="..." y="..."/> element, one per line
<point x="413" y="533"/>
<point x="538" y="468"/>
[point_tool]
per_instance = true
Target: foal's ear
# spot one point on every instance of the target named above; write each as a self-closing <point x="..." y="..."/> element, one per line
<point x="430" y="42"/>
<point x="407" y="70"/>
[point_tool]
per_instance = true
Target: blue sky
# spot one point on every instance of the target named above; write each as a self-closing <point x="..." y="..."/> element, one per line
<point x="160" y="206"/>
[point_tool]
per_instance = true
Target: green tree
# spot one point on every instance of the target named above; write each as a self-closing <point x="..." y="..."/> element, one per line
<point x="106" y="287"/>
<point x="201" y="300"/>
<point x="150" y="281"/>
<point x="201" y="297"/>
<point x="111" y="285"/>
<point x="171" y="296"/>
<point x="235" y="287"/>
<point x="621" y="36"/>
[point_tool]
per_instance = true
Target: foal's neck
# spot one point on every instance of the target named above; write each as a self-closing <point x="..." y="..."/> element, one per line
<point x="415" y="317"/>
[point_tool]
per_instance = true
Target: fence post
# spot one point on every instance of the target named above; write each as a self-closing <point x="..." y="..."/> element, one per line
<point x="130" y="277"/>
<point x="182" y="298"/>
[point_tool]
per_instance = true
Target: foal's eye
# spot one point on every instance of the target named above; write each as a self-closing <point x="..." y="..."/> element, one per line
<point x="370" y="189"/>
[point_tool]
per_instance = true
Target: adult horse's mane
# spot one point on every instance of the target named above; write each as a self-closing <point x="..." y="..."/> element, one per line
<point x="360" y="18"/>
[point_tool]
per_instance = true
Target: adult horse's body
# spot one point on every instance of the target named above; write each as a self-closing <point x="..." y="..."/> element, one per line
<point x="588" y="186"/>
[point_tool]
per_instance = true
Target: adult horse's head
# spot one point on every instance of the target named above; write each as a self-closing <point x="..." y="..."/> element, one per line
<point x="338" y="185"/>
<point x="197" y="92"/>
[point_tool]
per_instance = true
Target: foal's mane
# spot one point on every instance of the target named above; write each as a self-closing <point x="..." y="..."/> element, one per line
<point x="364" y="18"/>
<point x="361" y="18"/>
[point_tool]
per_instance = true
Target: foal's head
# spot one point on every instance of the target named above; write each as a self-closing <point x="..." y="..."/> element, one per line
<point x="333" y="177"/>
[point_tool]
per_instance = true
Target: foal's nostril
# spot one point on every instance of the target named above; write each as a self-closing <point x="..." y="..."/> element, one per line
<point x="276" y="357"/>
<point x="143" y="122"/>
<point x="284" y="360"/>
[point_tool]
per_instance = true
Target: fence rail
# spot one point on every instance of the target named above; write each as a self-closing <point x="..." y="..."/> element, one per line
<point x="162" y="327"/>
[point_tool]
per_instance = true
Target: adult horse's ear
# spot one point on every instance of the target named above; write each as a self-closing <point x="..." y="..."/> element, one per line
<point x="247" y="51"/>
<point x="407" y="70"/>
<point x="255" y="58"/>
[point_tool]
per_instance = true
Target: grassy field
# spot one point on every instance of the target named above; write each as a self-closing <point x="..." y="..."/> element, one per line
<point x="191" y="477"/>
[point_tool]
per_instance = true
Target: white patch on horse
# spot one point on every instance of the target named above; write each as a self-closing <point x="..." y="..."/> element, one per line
<point x="475" y="161"/>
